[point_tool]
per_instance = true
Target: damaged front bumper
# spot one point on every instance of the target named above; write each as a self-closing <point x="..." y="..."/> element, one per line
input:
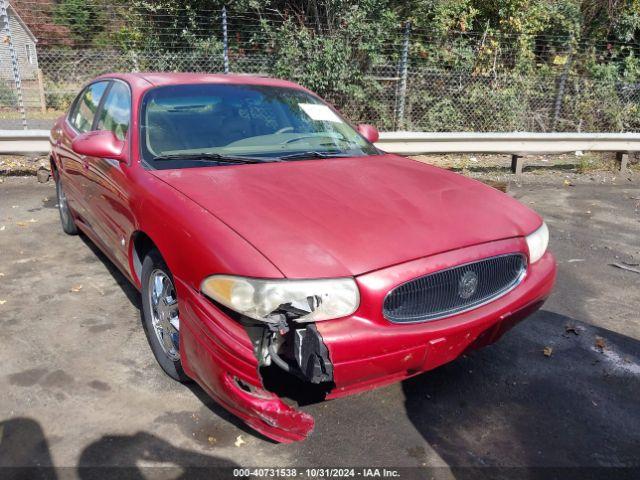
<point x="217" y="353"/>
<point x="351" y="354"/>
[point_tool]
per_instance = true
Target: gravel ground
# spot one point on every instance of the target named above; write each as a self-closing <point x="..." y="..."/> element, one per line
<point x="81" y="388"/>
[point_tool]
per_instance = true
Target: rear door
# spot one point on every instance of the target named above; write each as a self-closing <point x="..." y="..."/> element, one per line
<point x="109" y="186"/>
<point x="74" y="171"/>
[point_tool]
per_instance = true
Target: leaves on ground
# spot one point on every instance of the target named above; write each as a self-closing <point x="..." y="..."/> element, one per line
<point x="26" y="222"/>
<point x="571" y="329"/>
<point x="239" y="441"/>
<point x="600" y="344"/>
<point x="76" y="288"/>
<point x="547" y="351"/>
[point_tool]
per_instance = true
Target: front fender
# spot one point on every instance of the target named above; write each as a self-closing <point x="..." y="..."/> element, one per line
<point x="193" y="242"/>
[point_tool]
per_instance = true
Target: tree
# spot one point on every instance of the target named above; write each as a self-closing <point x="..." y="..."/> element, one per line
<point x="80" y="17"/>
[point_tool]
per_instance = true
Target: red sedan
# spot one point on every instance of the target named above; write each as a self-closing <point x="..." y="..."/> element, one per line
<point x="277" y="250"/>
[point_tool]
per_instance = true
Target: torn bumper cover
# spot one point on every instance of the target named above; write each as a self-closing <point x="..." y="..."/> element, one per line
<point x="351" y="354"/>
<point x="218" y="354"/>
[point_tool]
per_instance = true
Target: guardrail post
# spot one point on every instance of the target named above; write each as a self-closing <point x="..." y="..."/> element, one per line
<point x="14" y="60"/>
<point x="622" y="158"/>
<point x="517" y="164"/>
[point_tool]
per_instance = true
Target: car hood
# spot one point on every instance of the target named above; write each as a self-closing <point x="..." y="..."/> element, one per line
<point x="348" y="216"/>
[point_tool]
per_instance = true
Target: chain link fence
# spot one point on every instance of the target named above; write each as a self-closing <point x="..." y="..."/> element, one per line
<point x="397" y="92"/>
<point x="433" y="100"/>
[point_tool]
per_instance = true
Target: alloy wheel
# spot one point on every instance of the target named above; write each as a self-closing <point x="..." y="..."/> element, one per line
<point x="164" y="313"/>
<point x="63" y="206"/>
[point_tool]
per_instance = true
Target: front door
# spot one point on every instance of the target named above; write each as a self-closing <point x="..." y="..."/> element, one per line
<point x="75" y="167"/>
<point x="109" y="192"/>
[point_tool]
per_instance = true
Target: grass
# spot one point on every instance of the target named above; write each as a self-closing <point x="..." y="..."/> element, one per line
<point x="34" y="114"/>
<point x="596" y="162"/>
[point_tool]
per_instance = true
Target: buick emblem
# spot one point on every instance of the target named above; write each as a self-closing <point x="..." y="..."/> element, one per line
<point x="467" y="285"/>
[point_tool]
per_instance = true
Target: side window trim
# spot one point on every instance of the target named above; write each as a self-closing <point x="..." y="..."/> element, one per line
<point x="103" y="100"/>
<point x="96" y="116"/>
<point x="77" y="99"/>
<point x="73" y="108"/>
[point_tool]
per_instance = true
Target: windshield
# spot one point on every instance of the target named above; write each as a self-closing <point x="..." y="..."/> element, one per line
<point x="179" y="123"/>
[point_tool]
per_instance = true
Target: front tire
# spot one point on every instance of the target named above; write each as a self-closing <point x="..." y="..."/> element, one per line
<point x="66" y="217"/>
<point x="160" y="315"/>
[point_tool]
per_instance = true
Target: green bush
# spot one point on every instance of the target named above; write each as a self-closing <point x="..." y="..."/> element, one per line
<point x="8" y="97"/>
<point x="601" y="105"/>
<point x="58" y="96"/>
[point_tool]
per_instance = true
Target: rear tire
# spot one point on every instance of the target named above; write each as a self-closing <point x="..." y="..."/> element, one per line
<point x="160" y="315"/>
<point x="66" y="217"/>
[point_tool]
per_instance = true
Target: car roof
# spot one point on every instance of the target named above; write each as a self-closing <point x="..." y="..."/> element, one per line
<point x="153" y="79"/>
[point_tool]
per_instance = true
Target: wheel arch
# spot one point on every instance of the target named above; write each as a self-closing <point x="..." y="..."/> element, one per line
<point x="141" y="244"/>
<point x="53" y="167"/>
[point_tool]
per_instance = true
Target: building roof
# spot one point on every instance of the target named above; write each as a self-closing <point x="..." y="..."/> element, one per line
<point x="12" y="12"/>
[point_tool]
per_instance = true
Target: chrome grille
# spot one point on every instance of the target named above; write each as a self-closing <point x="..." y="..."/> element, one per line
<point x="454" y="290"/>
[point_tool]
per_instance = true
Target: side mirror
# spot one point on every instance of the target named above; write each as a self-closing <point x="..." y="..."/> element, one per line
<point x="369" y="132"/>
<point x="101" y="144"/>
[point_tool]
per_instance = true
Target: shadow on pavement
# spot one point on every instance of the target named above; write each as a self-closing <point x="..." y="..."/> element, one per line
<point x="24" y="450"/>
<point x="509" y="405"/>
<point x="129" y="290"/>
<point x="143" y="455"/>
<point x="25" y="454"/>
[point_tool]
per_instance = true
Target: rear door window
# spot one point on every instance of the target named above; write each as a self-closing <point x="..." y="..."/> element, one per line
<point x="81" y="116"/>
<point x="116" y="111"/>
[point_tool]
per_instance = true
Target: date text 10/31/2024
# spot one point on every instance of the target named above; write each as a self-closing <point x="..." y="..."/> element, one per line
<point x="316" y="472"/>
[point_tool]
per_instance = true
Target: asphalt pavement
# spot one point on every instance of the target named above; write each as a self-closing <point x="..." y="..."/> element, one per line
<point x="80" y="387"/>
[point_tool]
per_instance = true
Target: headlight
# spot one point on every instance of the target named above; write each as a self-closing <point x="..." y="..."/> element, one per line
<point x="537" y="243"/>
<point x="304" y="300"/>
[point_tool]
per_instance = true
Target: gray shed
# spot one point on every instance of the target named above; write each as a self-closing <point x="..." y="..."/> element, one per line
<point x="24" y="43"/>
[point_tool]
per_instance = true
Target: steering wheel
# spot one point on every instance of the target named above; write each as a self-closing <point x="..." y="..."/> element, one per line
<point x="285" y="129"/>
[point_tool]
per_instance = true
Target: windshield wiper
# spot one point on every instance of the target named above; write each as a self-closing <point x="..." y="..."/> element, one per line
<point x="213" y="157"/>
<point x="312" y="154"/>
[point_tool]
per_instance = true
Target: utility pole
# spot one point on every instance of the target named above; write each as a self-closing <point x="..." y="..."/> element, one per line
<point x="403" y="68"/>
<point x="14" y="60"/>
<point x="225" y="41"/>
<point x="561" y="86"/>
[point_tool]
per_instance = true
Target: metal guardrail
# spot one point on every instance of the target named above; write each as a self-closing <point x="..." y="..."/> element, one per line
<point x="24" y="142"/>
<point x="516" y="144"/>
